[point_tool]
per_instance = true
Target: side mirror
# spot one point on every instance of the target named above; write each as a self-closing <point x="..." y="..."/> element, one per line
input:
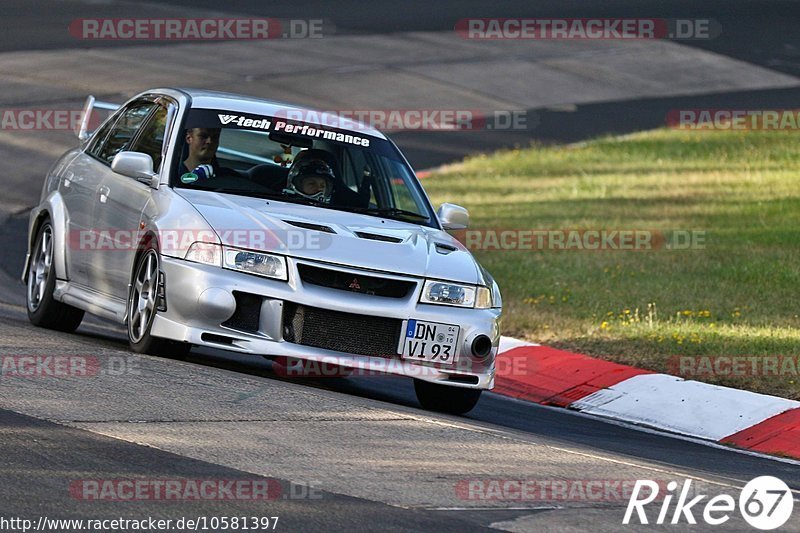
<point x="453" y="216"/>
<point x="136" y="165"/>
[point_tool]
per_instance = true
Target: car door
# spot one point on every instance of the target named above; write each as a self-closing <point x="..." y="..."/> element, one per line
<point x="77" y="186"/>
<point x="122" y="200"/>
<point x="105" y="242"/>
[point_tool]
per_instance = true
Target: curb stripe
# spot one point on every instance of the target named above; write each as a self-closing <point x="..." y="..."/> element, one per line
<point x="778" y="435"/>
<point x="687" y="407"/>
<point x="555" y="377"/>
<point x="745" y="419"/>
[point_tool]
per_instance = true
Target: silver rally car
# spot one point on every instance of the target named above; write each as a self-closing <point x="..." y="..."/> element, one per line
<point x="198" y="218"/>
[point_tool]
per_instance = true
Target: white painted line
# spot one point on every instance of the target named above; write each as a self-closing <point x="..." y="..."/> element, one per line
<point x="686" y="407"/>
<point x="537" y="508"/>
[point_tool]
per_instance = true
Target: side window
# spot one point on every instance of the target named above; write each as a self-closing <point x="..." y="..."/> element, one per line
<point x="100" y="137"/>
<point x="402" y="197"/>
<point x="353" y="169"/>
<point x="123" y="132"/>
<point x="151" y="140"/>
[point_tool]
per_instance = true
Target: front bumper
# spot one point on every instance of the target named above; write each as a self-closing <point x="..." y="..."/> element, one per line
<point x="200" y="303"/>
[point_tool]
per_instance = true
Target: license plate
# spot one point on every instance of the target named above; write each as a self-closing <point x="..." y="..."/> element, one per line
<point x="430" y="341"/>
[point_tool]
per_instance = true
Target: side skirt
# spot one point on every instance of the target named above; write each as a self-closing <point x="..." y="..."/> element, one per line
<point x="91" y="301"/>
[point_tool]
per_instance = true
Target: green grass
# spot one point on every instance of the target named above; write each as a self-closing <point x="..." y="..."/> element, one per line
<point x="738" y="295"/>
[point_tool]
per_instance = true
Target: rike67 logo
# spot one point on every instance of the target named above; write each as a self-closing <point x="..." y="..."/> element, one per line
<point x="765" y="503"/>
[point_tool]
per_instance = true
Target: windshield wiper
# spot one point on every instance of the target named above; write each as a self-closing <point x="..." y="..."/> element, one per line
<point x="388" y="211"/>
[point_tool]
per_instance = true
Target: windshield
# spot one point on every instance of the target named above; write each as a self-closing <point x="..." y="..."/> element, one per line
<point x="291" y="161"/>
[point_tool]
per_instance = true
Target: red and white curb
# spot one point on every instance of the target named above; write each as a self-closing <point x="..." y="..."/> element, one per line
<point x="744" y="419"/>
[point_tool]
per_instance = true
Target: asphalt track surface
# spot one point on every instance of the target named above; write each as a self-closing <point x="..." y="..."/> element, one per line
<point x="387" y="465"/>
<point x="41" y="458"/>
<point x="758" y="32"/>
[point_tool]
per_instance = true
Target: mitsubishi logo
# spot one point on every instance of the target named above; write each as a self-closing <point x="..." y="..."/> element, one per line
<point x="354" y="285"/>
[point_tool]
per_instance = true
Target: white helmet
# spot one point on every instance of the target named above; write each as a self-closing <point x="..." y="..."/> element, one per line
<point x="302" y="172"/>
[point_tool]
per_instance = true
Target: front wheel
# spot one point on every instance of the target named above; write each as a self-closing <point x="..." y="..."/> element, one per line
<point x="142" y="304"/>
<point x="446" y="399"/>
<point x="43" y="310"/>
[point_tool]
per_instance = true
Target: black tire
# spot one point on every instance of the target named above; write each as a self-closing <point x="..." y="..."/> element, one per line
<point x="141" y="310"/>
<point x="446" y="399"/>
<point x="43" y="310"/>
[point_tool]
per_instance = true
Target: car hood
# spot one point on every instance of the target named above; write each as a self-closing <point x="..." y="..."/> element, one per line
<point x="333" y="236"/>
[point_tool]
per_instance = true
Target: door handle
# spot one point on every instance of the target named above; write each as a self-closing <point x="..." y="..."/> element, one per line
<point x="104" y="192"/>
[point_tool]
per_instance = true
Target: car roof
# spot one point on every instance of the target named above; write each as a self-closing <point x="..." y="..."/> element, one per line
<point x="205" y="99"/>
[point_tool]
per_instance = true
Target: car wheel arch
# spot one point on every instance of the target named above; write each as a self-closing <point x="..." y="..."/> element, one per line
<point x="41" y="218"/>
<point x="147" y="241"/>
<point x="33" y="234"/>
<point x="52" y="211"/>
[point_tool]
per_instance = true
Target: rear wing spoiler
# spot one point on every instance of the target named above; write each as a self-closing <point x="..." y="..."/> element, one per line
<point x="86" y="115"/>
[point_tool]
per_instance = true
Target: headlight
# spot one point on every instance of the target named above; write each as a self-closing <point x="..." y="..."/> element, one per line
<point x="444" y="293"/>
<point x="204" y="252"/>
<point x="260" y="264"/>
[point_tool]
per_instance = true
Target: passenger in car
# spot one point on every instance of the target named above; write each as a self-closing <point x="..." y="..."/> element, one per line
<point x="337" y="192"/>
<point x="312" y="178"/>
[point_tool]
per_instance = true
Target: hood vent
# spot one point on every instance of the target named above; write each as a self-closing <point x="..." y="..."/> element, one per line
<point x="443" y="248"/>
<point x="309" y="225"/>
<point x="376" y="237"/>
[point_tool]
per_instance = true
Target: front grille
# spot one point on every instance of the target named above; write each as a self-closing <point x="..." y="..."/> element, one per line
<point x="341" y="332"/>
<point x="247" y="314"/>
<point x="336" y="279"/>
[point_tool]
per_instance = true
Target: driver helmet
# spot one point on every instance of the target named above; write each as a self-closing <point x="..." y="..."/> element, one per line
<point x="311" y="179"/>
